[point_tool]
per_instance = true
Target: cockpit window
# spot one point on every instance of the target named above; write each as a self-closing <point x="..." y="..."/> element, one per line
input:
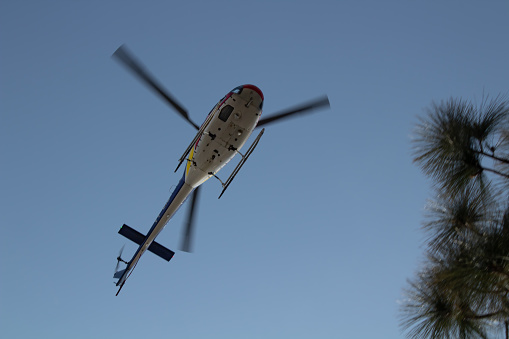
<point x="237" y="90"/>
<point x="227" y="96"/>
<point x="225" y="112"/>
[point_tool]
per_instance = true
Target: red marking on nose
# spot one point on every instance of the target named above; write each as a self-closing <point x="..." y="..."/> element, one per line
<point x="256" y="89"/>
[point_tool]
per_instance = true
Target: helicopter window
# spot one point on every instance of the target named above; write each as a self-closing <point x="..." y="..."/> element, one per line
<point x="225" y="112"/>
<point x="225" y="98"/>
<point x="237" y="90"/>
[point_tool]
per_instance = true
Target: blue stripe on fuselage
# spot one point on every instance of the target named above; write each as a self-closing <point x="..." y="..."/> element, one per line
<point x="130" y="266"/>
<point x="172" y="197"/>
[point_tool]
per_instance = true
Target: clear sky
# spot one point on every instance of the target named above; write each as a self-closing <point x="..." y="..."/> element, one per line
<point x="318" y="233"/>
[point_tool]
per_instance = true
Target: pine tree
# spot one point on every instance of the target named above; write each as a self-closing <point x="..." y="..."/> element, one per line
<point x="462" y="291"/>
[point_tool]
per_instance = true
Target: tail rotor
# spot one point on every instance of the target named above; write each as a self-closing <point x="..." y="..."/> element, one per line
<point x="117" y="273"/>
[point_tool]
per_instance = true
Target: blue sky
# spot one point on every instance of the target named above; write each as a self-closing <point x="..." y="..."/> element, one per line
<point x="318" y="233"/>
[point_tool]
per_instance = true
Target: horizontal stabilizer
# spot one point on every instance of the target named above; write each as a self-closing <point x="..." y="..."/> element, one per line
<point x="137" y="237"/>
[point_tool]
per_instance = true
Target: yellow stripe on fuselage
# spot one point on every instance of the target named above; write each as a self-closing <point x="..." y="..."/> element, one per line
<point x="191" y="154"/>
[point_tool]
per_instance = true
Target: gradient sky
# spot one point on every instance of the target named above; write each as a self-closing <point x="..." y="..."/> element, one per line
<point x="318" y="233"/>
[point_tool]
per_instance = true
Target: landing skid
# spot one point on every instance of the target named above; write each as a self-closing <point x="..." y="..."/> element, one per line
<point x="195" y="140"/>
<point x="239" y="165"/>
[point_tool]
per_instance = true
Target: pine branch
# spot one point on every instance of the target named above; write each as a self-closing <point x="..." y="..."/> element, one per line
<point x="487" y="315"/>
<point x="492" y="156"/>
<point x="496" y="172"/>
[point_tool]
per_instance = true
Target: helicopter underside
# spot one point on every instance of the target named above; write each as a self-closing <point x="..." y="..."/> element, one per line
<point x="233" y="122"/>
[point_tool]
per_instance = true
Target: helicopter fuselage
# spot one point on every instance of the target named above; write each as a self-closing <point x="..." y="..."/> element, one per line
<point x="225" y="131"/>
<point x="233" y="120"/>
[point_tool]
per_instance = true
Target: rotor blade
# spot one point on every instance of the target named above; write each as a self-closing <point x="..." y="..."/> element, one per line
<point x="188" y="230"/>
<point x="135" y="66"/>
<point x="121" y="251"/>
<point x="119" y="256"/>
<point x="304" y="108"/>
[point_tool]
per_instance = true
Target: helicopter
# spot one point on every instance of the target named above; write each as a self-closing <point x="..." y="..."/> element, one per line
<point x="218" y="140"/>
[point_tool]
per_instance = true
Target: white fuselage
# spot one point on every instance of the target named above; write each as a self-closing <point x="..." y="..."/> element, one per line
<point x="233" y="120"/>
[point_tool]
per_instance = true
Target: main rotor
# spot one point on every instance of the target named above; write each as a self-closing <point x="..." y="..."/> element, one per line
<point x="129" y="61"/>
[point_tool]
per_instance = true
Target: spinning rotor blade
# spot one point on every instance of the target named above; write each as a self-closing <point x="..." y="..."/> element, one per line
<point x="119" y="258"/>
<point x="134" y="65"/>
<point x="304" y="108"/>
<point x="188" y="230"/>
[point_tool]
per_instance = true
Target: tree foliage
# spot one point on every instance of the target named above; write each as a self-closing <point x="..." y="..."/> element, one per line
<point x="456" y="136"/>
<point x="463" y="289"/>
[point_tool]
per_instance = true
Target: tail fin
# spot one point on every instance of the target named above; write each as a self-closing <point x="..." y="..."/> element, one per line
<point x="118" y="274"/>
